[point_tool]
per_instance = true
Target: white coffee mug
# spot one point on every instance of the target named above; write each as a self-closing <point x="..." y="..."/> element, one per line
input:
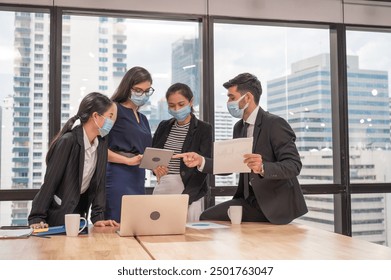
<point x="235" y="214"/>
<point x="72" y="224"/>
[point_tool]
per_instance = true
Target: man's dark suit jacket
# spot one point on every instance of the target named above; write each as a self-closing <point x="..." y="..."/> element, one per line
<point x="63" y="178"/>
<point x="278" y="193"/>
<point x="199" y="140"/>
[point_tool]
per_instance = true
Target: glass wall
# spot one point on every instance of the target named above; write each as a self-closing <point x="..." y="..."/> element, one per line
<point x="24" y="72"/>
<point x="97" y="52"/>
<point x="293" y="65"/>
<point x="369" y="67"/>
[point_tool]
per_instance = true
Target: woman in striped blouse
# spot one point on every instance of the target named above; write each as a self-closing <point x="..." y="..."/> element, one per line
<point x="183" y="133"/>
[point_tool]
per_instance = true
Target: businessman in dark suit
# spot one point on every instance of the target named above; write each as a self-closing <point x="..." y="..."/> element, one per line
<point x="271" y="192"/>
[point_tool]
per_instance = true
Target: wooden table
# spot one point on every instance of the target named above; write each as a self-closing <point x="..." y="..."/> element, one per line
<point x="262" y="241"/>
<point x="246" y="241"/>
<point x="99" y="244"/>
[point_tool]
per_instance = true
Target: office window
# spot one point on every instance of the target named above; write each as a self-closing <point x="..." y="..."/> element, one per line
<point x="369" y="68"/>
<point x="293" y="65"/>
<point x="38" y="86"/>
<point x="14" y="212"/>
<point x="38" y="106"/>
<point x="18" y="79"/>
<point x="103" y="50"/>
<point x="38" y="76"/>
<point x="39" y="26"/>
<point x="370" y="217"/>
<point x="38" y="66"/>
<point x="369" y="65"/>
<point x="38" y="47"/>
<point x="37" y="136"/>
<point x="39" y="37"/>
<point x="38" y="57"/>
<point x="38" y="116"/>
<point x="38" y="96"/>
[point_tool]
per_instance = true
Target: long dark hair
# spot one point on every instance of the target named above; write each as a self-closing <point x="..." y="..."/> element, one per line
<point x="92" y="102"/>
<point x="183" y="90"/>
<point x="134" y="76"/>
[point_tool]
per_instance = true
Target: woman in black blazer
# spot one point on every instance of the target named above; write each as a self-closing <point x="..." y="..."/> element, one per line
<point x="76" y="167"/>
<point x="183" y="133"/>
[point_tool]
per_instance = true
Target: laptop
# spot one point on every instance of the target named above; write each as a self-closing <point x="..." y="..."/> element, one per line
<point x="153" y="214"/>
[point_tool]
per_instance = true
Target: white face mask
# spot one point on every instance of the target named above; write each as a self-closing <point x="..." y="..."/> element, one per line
<point x="139" y="100"/>
<point x="234" y="110"/>
<point x="180" y="114"/>
<point x="106" y="127"/>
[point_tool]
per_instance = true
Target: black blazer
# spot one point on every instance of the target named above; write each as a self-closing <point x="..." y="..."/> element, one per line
<point x="199" y="140"/>
<point x="278" y="193"/>
<point x="63" y="178"/>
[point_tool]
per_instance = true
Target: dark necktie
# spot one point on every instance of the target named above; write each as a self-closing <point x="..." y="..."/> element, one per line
<point x="245" y="175"/>
<point x="244" y="130"/>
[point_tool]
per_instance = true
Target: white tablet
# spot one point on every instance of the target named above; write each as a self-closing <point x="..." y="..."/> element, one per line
<point x="154" y="157"/>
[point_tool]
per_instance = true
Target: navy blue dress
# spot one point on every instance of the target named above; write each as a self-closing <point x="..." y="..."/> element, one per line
<point x="127" y="135"/>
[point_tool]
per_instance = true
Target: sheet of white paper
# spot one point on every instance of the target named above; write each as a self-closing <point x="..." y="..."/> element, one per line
<point x="228" y="155"/>
<point x="205" y="225"/>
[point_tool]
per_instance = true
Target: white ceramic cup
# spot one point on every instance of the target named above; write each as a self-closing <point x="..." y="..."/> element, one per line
<point x="235" y="214"/>
<point x="72" y="224"/>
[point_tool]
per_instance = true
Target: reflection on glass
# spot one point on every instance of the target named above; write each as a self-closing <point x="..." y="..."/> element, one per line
<point x="24" y="57"/>
<point x="97" y="52"/>
<point x="369" y="65"/>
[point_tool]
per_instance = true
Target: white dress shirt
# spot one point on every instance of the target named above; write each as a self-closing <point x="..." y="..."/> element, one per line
<point x="250" y="131"/>
<point x="251" y="121"/>
<point x="90" y="158"/>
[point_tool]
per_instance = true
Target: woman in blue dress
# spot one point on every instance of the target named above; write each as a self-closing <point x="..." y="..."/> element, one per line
<point x="128" y="139"/>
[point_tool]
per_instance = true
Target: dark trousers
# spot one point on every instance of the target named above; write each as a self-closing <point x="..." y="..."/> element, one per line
<point x="251" y="210"/>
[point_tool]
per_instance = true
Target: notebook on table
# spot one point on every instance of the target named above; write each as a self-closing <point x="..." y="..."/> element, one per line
<point x="153" y="214"/>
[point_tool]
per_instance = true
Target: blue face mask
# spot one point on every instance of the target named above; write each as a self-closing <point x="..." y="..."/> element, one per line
<point x="106" y="127"/>
<point x="180" y="114"/>
<point x="234" y="110"/>
<point x="139" y="100"/>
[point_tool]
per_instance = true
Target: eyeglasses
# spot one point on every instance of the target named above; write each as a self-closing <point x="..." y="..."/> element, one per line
<point x="139" y="91"/>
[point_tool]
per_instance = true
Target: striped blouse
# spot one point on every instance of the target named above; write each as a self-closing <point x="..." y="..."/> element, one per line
<point x="174" y="142"/>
